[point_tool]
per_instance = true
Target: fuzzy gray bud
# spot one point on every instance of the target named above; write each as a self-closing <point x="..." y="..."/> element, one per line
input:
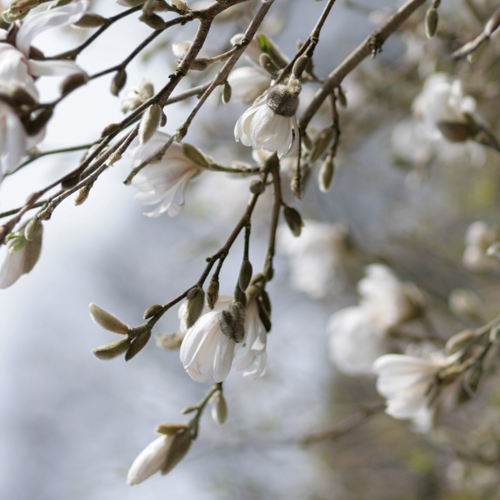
<point x="266" y="63"/>
<point x="33" y="230"/>
<point x="245" y="275"/>
<point x="341" y="97"/>
<point x="300" y="65"/>
<point x="72" y="82"/>
<point x="194" y="155"/>
<point x="107" y="320"/>
<point x="149" y="123"/>
<point x="219" y="409"/>
<point x="112" y="350"/>
<point x="459" y="341"/>
<point x="153" y="311"/>
<point x="138" y="344"/>
<point x="294" y="220"/>
<point x="325" y="176"/>
<point x="110" y="129"/>
<point x="153" y="21"/>
<point x="178" y="449"/>
<point x="196" y="301"/>
<point x="257" y="186"/>
<point x="226" y="93"/>
<point x="213" y="292"/>
<point x="283" y="101"/>
<point x="118" y="82"/>
<point x="231" y="321"/>
<point x="321" y="143"/>
<point x="431" y="22"/>
<point x="170" y="429"/>
<point x="91" y="20"/>
<point x="83" y="194"/>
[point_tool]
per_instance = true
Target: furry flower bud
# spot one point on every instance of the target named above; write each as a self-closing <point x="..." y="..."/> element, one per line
<point x="118" y="82"/>
<point x="111" y="350"/>
<point x="219" y="409"/>
<point x="196" y="301"/>
<point x="149" y="123"/>
<point x="107" y="320"/>
<point x="294" y="220"/>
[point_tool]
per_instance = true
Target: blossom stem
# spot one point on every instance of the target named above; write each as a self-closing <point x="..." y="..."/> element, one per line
<point x="277" y="202"/>
<point x="200" y="407"/>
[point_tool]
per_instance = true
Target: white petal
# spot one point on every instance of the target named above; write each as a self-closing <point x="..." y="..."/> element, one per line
<point x="150" y="460"/>
<point x="54" y="68"/>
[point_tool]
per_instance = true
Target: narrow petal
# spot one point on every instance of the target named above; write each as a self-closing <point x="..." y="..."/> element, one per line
<point x="54" y="68"/>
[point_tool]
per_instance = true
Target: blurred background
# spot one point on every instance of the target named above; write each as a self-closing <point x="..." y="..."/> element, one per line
<point x="71" y="425"/>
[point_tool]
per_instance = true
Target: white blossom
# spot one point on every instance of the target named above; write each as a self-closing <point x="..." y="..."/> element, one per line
<point x="358" y="335"/>
<point x="478" y="239"/>
<point x="164" y="181"/>
<point x="316" y="257"/>
<point x="248" y="83"/>
<point x="150" y="460"/>
<point x="405" y="381"/>
<point x="442" y="101"/>
<point x="270" y="123"/>
<point x="135" y="96"/>
<point x="21" y="256"/>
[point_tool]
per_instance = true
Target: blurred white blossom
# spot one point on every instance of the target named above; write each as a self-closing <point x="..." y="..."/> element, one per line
<point x="164" y="181"/>
<point x="136" y="96"/>
<point x="248" y="83"/>
<point x="358" y="335"/>
<point x="478" y="239"/>
<point x="316" y="258"/>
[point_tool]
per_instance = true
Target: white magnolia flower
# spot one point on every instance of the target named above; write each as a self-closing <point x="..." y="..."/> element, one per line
<point x="163" y="454"/>
<point x="478" y="239"/>
<point x="248" y="83"/>
<point x="358" y="335"/>
<point x="163" y="181"/>
<point x="270" y="123"/>
<point x="17" y="74"/>
<point x="442" y="102"/>
<point x="405" y="381"/>
<point x="316" y="257"/>
<point x="134" y="97"/>
<point x="206" y="352"/>
<point x="21" y="256"/>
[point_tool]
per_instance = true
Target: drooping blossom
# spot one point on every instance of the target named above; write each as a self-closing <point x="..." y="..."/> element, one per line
<point x="248" y="83"/>
<point x="359" y="334"/>
<point x="163" y="454"/>
<point x="164" y="181"/>
<point x="207" y="353"/>
<point x="135" y="96"/>
<point x="478" y="239"/>
<point x="316" y="257"/>
<point x="17" y="72"/>
<point x="405" y="382"/>
<point x="270" y="123"/>
<point x="21" y="254"/>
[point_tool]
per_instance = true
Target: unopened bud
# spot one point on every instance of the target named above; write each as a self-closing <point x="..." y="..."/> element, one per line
<point x="341" y="97"/>
<point x="321" y="143"/>
<point x="219" y="409"/>
<point x="431" y="22"/>
<point x="180" y="446"/>
<point x="149" y="123"/>
<point x="266" y="63"/>
<point x="91" y="20"/>
<point x="72" y="82"/>
<point x="296" y="185"/>
<point x="201" y="64"/>
<point x="449" y="375"/>
<point x="472" y="378"/>
<point x="36" y="125"/>
<point x="300" y="65"/>
<point x="257" y="186"/>
<point x="137" y="345"/>
<point x="231" y="321"/>
<point x="325" y="176"/>
<point x="170" y="429"/>
<point x="107" y="320"/>
<point x="264" y="313"/>
<point x="113" y="158"/>
<point x="196" y="301"/>
<point x="83" y="194"/>
<point x="456" y="132"/>
<point x="112" y="350"/>
<point x="245" y="275"/>
<point x="153" y="21"/>
<point x="180" y="4"/>
<point x="110" y="129"/>
<point x="118" y="82"/>
<point x="226" y="93"/>
<point x="294" y="220"/>
<point x="459" y="341"/>
<point x="169" y="341"/>
<point x="307" y="141"/>
<point x="284" y="99"/>
<point x="194" y="155"/>
<point x="153" y="311"/>
<point x="163" y="119"/>
<point x="152" y="6"/>
<point x="213" y="292"/>
<point x="70" y="182"/>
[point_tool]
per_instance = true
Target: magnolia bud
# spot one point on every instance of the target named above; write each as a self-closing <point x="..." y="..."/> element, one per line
<point x="459" y="341"/>
<point x="431" y="22"/>
<point x="111" y="350"/>
<point x="231" y="321"/>
<point x="473" y="377"/>
<point x="83" y="194"/>
<point x="153" y="311"/>
<point x="91" y="20"/>
<point x="138" y="344"/>
<point x="180" y="446"/>
<point x="33" y="230"/>
<point x="169" y="341"/>
<point x="36" y="125"/>
<point x="71" y="181"/>
<point x="180" y="4"/>
<point x="219" y="409"/>
<point x="245" y="275"/>
<point x="72" y="82"/>
<point x="118" y="82"/>
<point x="296" y="185"/>
<point x="341" y="97"/>
<point x="196" y="301"/>
<point x="266" y="63"/>
<point x="194" y="155"/>
<point x="153" y="21"/>
<point x="294" y="220"/>
<point x="284" y="99"/>
<point x="321" y="143"/>
<point x="107" y="320"/>
<point x="170" y="429"/>
<point x="325" y="176"/>
<point x="300" y="65"/>
<point x="257" y="186"/>
<point x="110" y="129"/>
<point x="213" y="292"/>
<point x="226" y="93"/>
<point x="149" y="123"/>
